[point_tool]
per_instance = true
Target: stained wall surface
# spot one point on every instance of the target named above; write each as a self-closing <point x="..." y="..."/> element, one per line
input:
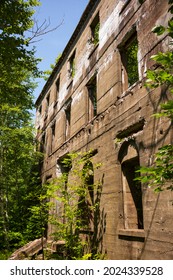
<point x="120" y="129"/>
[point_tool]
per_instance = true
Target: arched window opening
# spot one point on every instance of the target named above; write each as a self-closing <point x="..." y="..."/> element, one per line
<point x="86" y="199"/>
<point x="63" y="169"/>
<point x="132" y="192"/>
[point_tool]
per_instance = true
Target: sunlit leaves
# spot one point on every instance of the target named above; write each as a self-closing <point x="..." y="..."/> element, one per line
<point x="160" y="174"/>
<point x="78" y="209"/>
<point x="18" y="67"/>
<point x="159" y="30"/>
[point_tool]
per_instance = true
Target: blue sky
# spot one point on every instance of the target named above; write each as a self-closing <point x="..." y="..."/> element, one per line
<point x="53" y="43"/>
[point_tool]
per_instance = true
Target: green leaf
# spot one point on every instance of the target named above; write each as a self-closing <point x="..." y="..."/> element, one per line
<point x="159" y="30"/>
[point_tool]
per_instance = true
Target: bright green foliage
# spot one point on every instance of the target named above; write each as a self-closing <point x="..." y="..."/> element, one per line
<point x="132" y="62"/>
<point x="96" y="34"/>
<point x="18" y="67"/>
<point x="79" y="208"/>
<point x="47" y="73"/>
<point x="72" y="68"/>
<point x="160" y="174"/>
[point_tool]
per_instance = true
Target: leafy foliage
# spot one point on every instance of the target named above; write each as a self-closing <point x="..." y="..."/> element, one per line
<point x="160" y="175"/>
<point x="47" y="73"/>
<point x="96" y="34"/>
<point x="18" y="160"/>
<point x="77" y="211"/>
<point x="132" y="66"/>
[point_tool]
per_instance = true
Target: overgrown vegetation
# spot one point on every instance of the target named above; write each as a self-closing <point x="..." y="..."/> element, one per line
<point x="96" y="34"/>
<point x="19" y="182"/>
<point x="47" y="73"/>
<point x="160" y="174"/>
<point x="23" y="200"/>
<point x="74" y="208"/>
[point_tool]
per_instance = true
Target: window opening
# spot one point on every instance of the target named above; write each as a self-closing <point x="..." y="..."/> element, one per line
<point x="129" y="59"/>
<point x="64" y="166"/>
<point x="53" y="129"/>
<point x="92" y="93"/>
<point x="95" y="27"/>
<point x="72" y="65"/>
<point x="40" y="109"/>
<point x="42" y="143"/>
<point x="132" y="195"/>
<point x="125" y="4"/>
<point x="47" y="104"/>
<point x="88" y="172"/>
<point x="86" y="199"/>
<point x="57" y="89"/>
<point x="48" y="99"/>
<point x="132" y="192"/>
<point x="53" y="135"/>
<point x="67" y="119"/>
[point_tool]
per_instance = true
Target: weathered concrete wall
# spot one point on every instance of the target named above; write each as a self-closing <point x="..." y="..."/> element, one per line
<point x="120" y="114"/>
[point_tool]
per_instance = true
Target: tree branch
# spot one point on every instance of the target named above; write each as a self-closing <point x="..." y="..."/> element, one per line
<point x="40" y="30"/>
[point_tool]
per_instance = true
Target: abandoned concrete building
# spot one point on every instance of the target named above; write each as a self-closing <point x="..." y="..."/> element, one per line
<point x="95" y="99"/>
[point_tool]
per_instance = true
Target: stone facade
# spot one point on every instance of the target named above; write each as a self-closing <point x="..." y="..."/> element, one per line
<point x="91" y="101"/>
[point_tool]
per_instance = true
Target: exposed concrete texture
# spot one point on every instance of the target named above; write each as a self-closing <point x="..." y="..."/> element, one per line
<point x="120" y="124"/>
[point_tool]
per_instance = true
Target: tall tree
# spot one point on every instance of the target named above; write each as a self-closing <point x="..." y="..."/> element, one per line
<point x="18" y="67"/>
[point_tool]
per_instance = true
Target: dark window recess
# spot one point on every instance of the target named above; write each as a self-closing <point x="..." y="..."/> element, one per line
<point x="132" y="195"/>
<point x="40" y="109"/>
<point x="52" y="137"/>
<point x="53" y="129"/>
<point x="129" y="58"/>
<point x="126" y="2"/>
<point x="67" y="119"/>
<point x="48" y="99"/>
<point x="57" y="89"/>
<point x="86" y="199"/>
<point x="72" y="65"/>
<point x="88" y="173"/>
<point x="65" y="164"/>
<point x="95" y="27"/>
<point x="92" y="93"/>
<point x="43" y="143"/>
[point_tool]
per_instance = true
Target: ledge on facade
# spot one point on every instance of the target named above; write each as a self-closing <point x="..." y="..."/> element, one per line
<point x="132" y="89"/>
<point x="70" y="84"/>
<point x="55" y="104"/>
<point x="87" y="231"/>
<point x="126" y="4"/>
<point x="131" y="129"/>
<point x="132" y="232"/>
<point x="93" y="50"/>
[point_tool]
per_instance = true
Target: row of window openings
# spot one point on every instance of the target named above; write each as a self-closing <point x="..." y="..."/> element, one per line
<point x="128" y="53"/>
<point x="92" y="107"/>
<point x="95" y="26"/>
<point x="129" y="72"/>
<point x="128" y="57"/>
<point x="91" y="112"/>
<point x="94" y="40"/>
<point x="132" y="195"/>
